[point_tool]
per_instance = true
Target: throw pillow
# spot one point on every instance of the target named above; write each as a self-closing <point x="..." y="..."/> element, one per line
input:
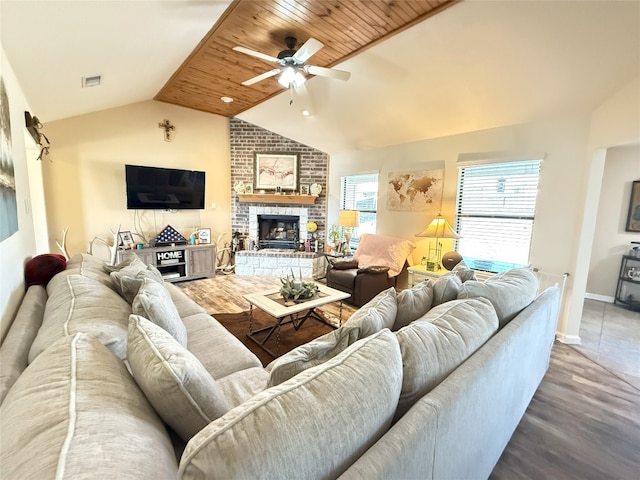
<point x="378" y="313"/>
<point x="413" y="303"/>
<point x="128" y="280"/>
<point x="464" y="272"/>
<point x="509" y="292"/>
<point x="154" y="303"/>
<point x="180" y="389"/>
<point x="433" y="346"/>
<point x="446" y="288"/>
<point x="41" y="268"/>
<point x="311" y="354"/>
<point x="383" y="250"/>
<point x="343" y="264"/>
<point x="340" y="408"/>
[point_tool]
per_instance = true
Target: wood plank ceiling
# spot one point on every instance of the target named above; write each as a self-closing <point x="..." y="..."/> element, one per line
<point x="345" y="27"/>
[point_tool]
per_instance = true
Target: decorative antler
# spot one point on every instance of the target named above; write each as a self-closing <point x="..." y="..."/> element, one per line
<point x="114" y="247"/>
<point x="63" y="246"/>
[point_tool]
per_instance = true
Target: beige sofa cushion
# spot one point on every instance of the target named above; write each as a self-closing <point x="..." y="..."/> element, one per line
<point x="509" y="291"/>
<point x="313" y="426"/>
<point x="413" y="303"/>
<point x="86" y="265"/>
<point x="433" y="346"/>
<point x="175" y="382"/>
<point x="154" y="303"/>
<point x="446" y="288"/>
<point x="82" y="304"/>
<point x="378" y="313"/>
<point x="76" y="412"/>
<point x="312" y="353"/>
<point x="128" y="280"/>
<point x="14" y="352"/>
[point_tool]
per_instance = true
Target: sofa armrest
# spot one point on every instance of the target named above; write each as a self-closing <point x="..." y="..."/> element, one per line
<point x="375" y="269"/>
<point x="343" y="264"/>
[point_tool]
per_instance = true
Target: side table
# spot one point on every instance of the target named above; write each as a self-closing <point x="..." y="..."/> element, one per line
<point x="419" y="273"/>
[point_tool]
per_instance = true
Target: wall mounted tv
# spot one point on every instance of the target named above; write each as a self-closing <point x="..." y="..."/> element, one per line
<point x="164" y="188"/>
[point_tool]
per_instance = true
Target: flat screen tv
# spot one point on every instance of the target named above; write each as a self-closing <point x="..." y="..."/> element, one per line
<point x="164" y="188"/>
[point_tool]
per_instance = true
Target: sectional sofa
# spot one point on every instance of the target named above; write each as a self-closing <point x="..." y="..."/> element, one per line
<point x="109" y="372"/>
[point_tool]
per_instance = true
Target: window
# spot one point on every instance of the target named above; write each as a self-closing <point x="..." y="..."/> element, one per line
<point x="495" y="211"/>
<point x="360" y="192"/>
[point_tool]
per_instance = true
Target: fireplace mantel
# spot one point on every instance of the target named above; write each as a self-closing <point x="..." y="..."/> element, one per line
<point x="278" y="198"/>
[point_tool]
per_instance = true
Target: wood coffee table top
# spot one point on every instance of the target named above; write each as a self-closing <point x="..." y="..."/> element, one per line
<point x="271" y="302"/>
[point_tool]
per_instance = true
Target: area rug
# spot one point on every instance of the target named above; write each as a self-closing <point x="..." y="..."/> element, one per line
<point x="238" y="325"/>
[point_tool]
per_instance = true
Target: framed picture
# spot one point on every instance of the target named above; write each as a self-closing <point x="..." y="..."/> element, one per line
<point x="633" y="217"/>
<point x="125" y="239"/>
<point x="276" y="171"/>
<point x="248" y="189"/>
<point x="204" y="235"/>
<point x="304" y="189"/>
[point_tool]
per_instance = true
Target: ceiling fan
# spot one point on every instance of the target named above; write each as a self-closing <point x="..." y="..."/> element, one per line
<point x="291" y="64"/>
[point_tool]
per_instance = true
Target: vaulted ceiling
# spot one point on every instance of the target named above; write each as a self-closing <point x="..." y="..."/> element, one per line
<point x="474" y="65"/>
<point x="214" y="70"/>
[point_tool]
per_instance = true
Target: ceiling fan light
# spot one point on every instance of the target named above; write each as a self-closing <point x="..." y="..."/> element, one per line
<point x="299" y="79"/>
<point x="287" y="77"/>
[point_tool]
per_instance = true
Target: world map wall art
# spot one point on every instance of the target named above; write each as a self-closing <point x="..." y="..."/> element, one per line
<point x="417" y="191"/>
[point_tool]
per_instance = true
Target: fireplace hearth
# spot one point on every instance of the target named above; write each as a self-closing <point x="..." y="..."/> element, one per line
<point x="278" y="231"/>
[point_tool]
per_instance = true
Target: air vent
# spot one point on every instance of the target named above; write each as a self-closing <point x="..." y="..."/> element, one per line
<point x="92" y="81"/>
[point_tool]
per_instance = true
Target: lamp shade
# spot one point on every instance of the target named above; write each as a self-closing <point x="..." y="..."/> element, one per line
<point x="349" y="218"/>
<point x="438" y="228"/>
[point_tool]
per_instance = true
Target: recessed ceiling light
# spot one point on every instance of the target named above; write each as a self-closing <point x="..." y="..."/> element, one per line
<point x="226" y="99"/>
<point x="306" y="113"/>
<point x="92" y="81"/>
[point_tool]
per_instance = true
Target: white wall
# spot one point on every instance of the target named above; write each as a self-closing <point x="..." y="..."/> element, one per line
<point x="20" y="247"/>
<point x="610" y="240"/>
<point x="85" y="180"/>
<point x="562" y="142"/>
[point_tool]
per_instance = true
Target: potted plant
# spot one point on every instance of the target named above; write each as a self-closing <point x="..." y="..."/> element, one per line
<point x="334" y="235"/>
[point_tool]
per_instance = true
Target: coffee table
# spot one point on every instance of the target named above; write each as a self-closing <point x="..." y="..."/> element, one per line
<point x="295" y="313"/>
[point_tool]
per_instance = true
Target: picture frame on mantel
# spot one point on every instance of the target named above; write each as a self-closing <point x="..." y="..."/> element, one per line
<point x="276" y="172"/>
<point x="633" y="216"/>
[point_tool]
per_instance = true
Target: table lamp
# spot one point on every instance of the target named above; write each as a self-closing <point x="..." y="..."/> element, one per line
<point x="438" y="228"/>
<point x="348" y="219"/>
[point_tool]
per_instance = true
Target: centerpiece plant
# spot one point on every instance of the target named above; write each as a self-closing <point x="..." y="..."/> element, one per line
<point x="297" y="290"/>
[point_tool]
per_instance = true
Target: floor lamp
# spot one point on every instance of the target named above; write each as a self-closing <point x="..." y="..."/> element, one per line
<point x="438" y="228"/>
<point x="348" y="219"/>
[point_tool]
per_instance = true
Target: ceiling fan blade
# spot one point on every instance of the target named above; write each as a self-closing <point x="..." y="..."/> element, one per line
<point x="310" y="47"/>
<point x="327" y="72"/>
<point x="259" y="55"/>
<point x="261" y="77"/>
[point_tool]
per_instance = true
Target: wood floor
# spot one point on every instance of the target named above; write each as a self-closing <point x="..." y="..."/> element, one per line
<point x="583" y="422"/>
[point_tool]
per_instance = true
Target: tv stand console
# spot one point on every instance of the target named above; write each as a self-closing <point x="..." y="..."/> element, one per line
<point x="178" y="263"/>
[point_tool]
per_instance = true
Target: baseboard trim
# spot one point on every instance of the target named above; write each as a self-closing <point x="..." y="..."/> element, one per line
<point x="599" y="298"/>
<point x="568" y="339"/>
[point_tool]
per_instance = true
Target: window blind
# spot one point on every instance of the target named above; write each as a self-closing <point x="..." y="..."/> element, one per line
<point x="495" y="212"/>
<point x="360" y="192"/>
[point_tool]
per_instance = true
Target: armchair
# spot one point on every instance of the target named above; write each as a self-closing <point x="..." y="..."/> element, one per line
<point x="376" y="264"/>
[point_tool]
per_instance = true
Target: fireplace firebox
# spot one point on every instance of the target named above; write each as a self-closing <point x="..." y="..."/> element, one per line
<point x="278" y="231"/>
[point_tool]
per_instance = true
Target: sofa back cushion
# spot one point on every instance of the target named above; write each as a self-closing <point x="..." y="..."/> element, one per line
<point x="509" y="292"/>
<point x="83" y="304"/>
<point x="383" y="250"/>
<point x="313" y="426"/>
<point x="446" y="288"/>
<point x="413" y="303"/>
<point x="180" y="389"/>
<point x="378" y="313"/>
<point x="76" y="412"/>
<point x="310" y="354"/>
<point x="433" y="346"/>
<point x="154" y="303"/>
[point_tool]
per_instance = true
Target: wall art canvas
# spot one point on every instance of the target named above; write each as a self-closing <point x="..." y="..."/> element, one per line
<point x="416" y="191"/>
<point x="276" y="171"/>
<point x="8" y="201"/>
<point x="633" y="216"/>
